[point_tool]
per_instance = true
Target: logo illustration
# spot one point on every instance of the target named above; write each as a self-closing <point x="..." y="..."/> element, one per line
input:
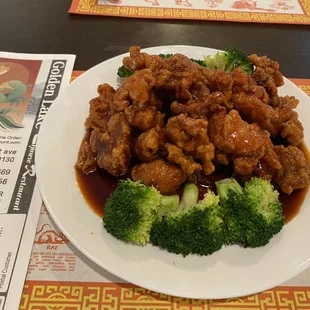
<point x="47" y="235"/>
<point x="12" y="91"/>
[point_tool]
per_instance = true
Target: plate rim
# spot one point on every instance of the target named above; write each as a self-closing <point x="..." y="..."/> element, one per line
<point x="113" y="271"/>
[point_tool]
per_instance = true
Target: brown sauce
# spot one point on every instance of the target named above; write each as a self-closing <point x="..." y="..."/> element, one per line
<point x="292" y="203"/>
<point x="97" y="186"/>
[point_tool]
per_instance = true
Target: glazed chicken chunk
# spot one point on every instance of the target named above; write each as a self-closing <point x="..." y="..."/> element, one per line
<point x="174" y="120"/>
<point x="164" y="176"/>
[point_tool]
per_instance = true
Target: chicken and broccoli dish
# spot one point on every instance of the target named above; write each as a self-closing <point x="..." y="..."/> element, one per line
<point x="200" y="149"/>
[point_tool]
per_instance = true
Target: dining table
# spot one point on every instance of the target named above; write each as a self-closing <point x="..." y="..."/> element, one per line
<point x="40" y="27"/>
<point x="36" y="27"/>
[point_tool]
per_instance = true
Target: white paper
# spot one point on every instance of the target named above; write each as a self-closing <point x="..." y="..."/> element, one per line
<point x="28" y="86"/>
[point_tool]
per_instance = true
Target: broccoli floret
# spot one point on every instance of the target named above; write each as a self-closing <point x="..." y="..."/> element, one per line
<point x="253" y="216"/>
<point x="168" y="203"/>
<point x="124" y="72"/>
<point x="229" y="60"/>
<point x="189" y="197"/>
<point x="199" y="62"/>
<point x="267" y="215"/>
<point x="196" y="229"/>
<point x="224" y="185"/>
<point x="217" y="61"/>
<point x="230" y="193"/>
<point x="131" y="210"/>
<point x="164" y="56"/>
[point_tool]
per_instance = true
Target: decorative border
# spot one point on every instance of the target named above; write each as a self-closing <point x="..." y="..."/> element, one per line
<point x="91" y="7"/>
<point x="303" y="84"/>
<point x="42" y="295"/>
<point x="75" y="74"/>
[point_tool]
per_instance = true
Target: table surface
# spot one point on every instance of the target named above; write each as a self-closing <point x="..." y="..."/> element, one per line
<point x="37" y="26"/>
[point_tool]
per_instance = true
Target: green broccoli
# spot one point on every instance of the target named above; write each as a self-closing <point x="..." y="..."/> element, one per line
<point x="164" y="56"/>
<point x="229" y="60"/>
<point x="199" y="62"/>
<point x="123" y="72"/>
<point x="224" y="185"/>
<point x="252" y="216"/>
<point x="131" y="210"/>
<point x="168" y="203"/>
<point x="193" y="228"/>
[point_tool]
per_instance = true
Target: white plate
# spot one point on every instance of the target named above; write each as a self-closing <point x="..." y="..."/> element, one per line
<point x="231" y="272"/>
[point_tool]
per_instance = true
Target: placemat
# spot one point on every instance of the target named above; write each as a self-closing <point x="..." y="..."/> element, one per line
<point x="61" y="278"/>
<point x="263" y="11"/>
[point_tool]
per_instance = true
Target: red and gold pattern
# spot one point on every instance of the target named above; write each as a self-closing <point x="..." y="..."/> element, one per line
<point x="40" y="295"/>
<point x="303" y="85"/>
<point x="75" y="74"/>
<point x="50" y="295"/>
<point x="91" y="7"/>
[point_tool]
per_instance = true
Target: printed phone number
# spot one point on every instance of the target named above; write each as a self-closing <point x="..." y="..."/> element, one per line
<point x="4" y="172"/>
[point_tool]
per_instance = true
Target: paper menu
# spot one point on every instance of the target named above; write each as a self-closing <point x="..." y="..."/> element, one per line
<point x="264" y="11"/>
<point x="28" y="86"/>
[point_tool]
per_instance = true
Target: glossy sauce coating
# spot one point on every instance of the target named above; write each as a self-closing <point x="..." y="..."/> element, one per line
<point x="97" y="186"/>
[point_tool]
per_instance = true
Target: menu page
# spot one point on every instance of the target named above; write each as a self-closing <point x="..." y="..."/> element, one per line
<point x="28" y="86"/>
<point x="263" y="11"/>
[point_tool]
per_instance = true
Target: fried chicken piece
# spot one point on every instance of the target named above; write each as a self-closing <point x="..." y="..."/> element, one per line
<point x="199" y="109"/>
<point x="100" y="108"/>
<point x="274" y="124"/>
<point x="176" y="155"/>
<point x="200" y="91"/>
<point x="164" y="176"/>
<point x="220" y="81"/>
<point x="233" y="135"/>
<point x="246" y="142"/>
<point x="154" y="100"/>
<point x="191" y="135"/>
<point x="216" y="100"/>
<point x="244" y="165"/>
<point x="176" y="73"/>
<point x="191" y="108"/>
<point x="144" y="118"/>
<point x="186" y="132"/>
<point x="293" y="132"/>
<point x="138" y="60"/>
<point x="205" y="153"/>
<point x="243" y="82"/>
<point x="295" y="171"/>
<point x="288" y="102"/>
<point x="271" y="158"/>
<point x="264" y="167"/>
<point x="222" y="158"/>
<point x="263" y="171"/>
<point x="285" y="122"/>
<point x="136" y="89"/>
<point x="183" y="77"/>
<point x="252" y="108"/>
<point x="270" y="68"/>
<point x="279" y="120"/>
<point x="113" y="147"/>
<point x="86" y="161"/>
<point x="251" y="101"/>
<point x="149" y="143"/>
<point x="179" y="63"/>
<point x="267" y="74"/>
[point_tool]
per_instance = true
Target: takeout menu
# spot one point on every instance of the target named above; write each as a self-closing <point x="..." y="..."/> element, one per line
<point x="264" y="11"/>
<point x="29" y="83"/>
<point x="59" y="277"/>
